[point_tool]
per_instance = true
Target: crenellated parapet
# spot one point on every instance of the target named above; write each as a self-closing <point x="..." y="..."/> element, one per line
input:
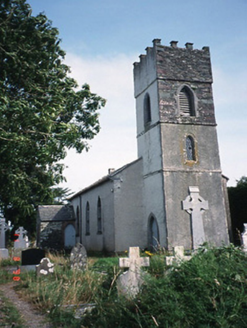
<point x="172" y="68"/>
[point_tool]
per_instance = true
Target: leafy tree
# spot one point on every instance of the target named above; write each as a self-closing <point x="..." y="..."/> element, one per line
<point x="42" y="113"/>
<point x="238" y="207"/>
<point x="61" y="195"/>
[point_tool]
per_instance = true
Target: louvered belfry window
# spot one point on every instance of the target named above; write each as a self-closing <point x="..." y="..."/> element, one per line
<point x="186" y="102"/>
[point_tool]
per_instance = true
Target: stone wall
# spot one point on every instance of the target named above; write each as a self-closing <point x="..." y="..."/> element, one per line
<point x="51" y="235"/>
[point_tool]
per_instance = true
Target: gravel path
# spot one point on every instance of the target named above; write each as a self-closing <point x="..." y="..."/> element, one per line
<point x="32" y="318"/>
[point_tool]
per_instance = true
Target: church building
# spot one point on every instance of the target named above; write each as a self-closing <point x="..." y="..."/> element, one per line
<point x="174" y="194"/>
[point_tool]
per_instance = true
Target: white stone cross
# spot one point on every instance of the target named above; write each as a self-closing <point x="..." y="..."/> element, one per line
<point x="3" y="228"/>
<point x="130" y="281"/>
<point x="195" y="205"/>
<point x="178" y="256"/>
<point x="20" y="242"/>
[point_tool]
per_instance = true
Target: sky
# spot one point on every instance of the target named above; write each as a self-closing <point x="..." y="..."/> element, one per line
<point x="103" y="38"/>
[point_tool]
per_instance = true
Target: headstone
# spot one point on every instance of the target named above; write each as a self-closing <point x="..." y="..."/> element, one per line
<point x="3" y="228"/>
<point x="244" y="238"/>
<point x="45" y="267"/>
<point x="78" y="257"/>
<point x="195" y="205"/>
<point x="129" y="282"/>
<point x="178" y="256"/>
<point x="21" y="241"/>
<point x="4" y="253"/>
<point x="32" y="256"/>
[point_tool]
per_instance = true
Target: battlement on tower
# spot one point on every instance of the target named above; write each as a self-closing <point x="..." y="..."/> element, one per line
<point x="172" y="63"/>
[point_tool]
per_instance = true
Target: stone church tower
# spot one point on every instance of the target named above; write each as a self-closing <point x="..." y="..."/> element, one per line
<point x="183" y="196"/>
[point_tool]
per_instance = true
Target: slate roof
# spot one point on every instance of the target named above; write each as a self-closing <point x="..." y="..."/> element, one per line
<point x="48" y="213"/>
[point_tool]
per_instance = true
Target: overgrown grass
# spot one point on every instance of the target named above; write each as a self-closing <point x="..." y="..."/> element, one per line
<point x="9" y="316"/>
<point x="208" y="291"/>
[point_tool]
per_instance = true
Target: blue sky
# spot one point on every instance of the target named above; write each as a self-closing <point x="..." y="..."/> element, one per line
<point x="102" y="39"/>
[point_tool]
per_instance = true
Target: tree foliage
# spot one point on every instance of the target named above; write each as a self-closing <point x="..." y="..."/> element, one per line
<point x="238" y="207"/>
<point x="42" y="111"/>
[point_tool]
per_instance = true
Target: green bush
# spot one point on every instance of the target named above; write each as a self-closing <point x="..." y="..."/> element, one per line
<point x="208" y="291"/>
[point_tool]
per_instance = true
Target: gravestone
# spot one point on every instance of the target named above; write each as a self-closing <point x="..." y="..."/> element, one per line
<point x="129" y="282"/>
<point x="178" y="256"/>
<point x="195" y="205"/>
<point x="20" y="243"/>
<point x="45" y="267"/>
<point x="244" y="238"/>
<point x="32" y="256"/>
<point x="78" y="257"/>
<point x="4" y="253"/>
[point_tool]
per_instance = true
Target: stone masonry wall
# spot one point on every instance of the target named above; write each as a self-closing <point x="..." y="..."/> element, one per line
<point x="51" y="235"/>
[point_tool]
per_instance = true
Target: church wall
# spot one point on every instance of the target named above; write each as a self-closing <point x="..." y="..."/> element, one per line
<point x="179" y="221"/>
<point x="76" y="204"/>
<point x="95" y="241"/>
<point x="205" y="173"/>
<point x="152" y="91"/>
<point x="145" y="71"/>
<point x="130" y="224"/>
<point x="174" y="146"/>
<point x="153" y="199"/>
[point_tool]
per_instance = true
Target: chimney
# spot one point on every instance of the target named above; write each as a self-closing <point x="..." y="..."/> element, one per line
<point x="110" y="171"/>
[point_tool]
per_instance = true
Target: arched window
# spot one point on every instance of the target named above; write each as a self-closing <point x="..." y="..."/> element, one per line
<point x="99" y="217"/>
<point x="87" y="219"/>
<point x="186" y="102"/>
<point x="153" y="237"/>
<point x="147" y="109"/>
<point x="77" y="221"/>
<point x="190" y="149"/>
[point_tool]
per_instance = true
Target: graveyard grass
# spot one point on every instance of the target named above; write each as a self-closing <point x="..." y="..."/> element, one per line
<point x="9" y="314"/>
<point x="207" y="291"/>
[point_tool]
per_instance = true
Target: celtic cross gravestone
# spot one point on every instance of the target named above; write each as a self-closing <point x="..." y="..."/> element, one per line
<point x="195" y="205"/>
<point x="3" y="228"/>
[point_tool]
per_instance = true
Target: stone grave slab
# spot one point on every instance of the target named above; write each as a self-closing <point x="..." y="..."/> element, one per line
<point x="45" y="267"/>
<point x="32" y="256"/>
<point x="78" y="257"/>
<point x="178" y="256"/>
<point x="129" y="283"/>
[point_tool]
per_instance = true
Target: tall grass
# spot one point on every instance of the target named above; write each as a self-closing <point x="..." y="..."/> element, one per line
<point x="208" y="291"/>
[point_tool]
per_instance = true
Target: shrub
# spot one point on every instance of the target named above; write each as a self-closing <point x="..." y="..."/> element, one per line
<point x="208" y="291"/>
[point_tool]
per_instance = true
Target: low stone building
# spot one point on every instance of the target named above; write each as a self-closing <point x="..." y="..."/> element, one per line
<point x="56" y="227"/>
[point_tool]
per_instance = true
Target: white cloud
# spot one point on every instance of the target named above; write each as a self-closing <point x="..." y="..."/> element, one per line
<point x="115" y="145"/>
